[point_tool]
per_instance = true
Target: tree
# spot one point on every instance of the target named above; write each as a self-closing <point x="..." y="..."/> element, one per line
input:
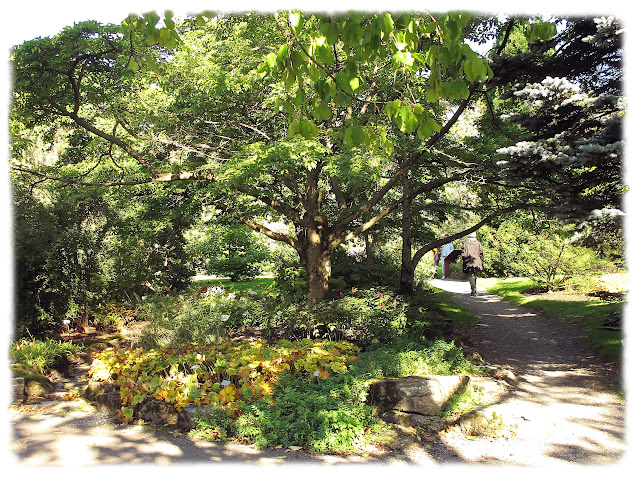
<point x="350" y="87"/>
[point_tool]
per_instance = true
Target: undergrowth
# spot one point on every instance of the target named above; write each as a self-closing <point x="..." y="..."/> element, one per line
<point x="41" y="355"/>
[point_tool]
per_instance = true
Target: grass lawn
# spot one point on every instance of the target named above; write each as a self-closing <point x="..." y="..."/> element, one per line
<point x="587" y="314"/>
<point x="459" y="315"/>
<point x="258" y="285"/>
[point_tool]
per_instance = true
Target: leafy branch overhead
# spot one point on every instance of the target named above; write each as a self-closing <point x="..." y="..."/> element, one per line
<point x="335" y="69"/>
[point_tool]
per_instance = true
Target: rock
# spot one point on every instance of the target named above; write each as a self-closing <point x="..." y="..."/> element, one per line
<point x="94" y="389"/>
<point x="430" y="423"/>
<point x="157" y="412"/>
<point x="485" y="423"/>
<point x="108" y="402"/>
<point x="37" y="386"/>
<point x="186" y="420"/>
<point x="18" y="390"/>
<point x="501" y="373"/>
<point x="425" y="395"/>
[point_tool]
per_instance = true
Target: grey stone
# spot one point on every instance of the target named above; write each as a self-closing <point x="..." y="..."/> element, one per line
<point x="501" y="373"/>
<point x="18" y="390"/>
<point x="37" y="387"/>
<point x="94" y="389"/>
<point x="186" y="419"/>
<point x="108" y="402"/>
<point x="157" y="412"/>
<point x="426" y="395"/>
<point x="430" y="423"/>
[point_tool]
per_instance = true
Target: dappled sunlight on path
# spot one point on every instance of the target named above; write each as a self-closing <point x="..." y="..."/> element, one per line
<point x="559" y="406"/>
<point x="77" y="440"/>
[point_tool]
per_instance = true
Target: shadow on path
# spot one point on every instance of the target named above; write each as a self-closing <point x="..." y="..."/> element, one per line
<point x="560" y="405"/>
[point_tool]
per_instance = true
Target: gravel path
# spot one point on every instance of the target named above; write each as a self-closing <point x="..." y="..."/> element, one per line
<point x="558" y="412"/>
<point x="561" y="407"/>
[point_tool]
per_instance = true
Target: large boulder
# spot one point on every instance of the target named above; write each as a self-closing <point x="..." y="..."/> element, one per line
<point x="425" y="395"/>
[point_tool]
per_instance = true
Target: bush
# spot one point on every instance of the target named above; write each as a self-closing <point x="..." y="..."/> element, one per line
<point x="198" y="319"/>
<point x="358" y="315"/>
<point x="542" y="252"/>
<point x="41" y="355"/>
<point x="317" y="415"/>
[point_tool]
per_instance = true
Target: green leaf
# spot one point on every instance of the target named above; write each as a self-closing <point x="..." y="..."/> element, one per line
<point x="427" y="128"/>
<point x="354" y="83"/>
<point x="391" y="108"/>
<point x="133" y="65"/>
<point x="270" y="59"/>
<point x="307" y="129"/>
<point x="293" y="128"/>
<point x="299" y="98"/>
<point x="474" y="69"/>
<point x="296" y="21"/>
<point x="354" y="136"/>
<point x="403" y="58"/>
<point x="387" y="23"/>
<point x="321" y="111"/>
<point x="330" y="32"/>
<point x="281" y="56"/>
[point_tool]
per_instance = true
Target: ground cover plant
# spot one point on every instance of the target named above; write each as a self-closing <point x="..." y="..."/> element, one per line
<point x="310" y="393"/>
<point x="255" y="390"/>
<point x="589" y="315"/>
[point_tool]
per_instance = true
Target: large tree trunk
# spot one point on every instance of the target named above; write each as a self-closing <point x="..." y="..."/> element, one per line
<point x="316" y="248"/>
<point x="318" y="263"/>
<point x="407" y="270"/>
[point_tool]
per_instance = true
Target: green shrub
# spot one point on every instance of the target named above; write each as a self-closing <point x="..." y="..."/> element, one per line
<point x="404" y="357"/>
<point x="197" y="319"/>
<point x="358" y="315"/>
<point x="41" y="355"/>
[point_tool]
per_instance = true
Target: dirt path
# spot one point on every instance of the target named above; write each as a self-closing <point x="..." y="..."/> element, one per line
<point x="559" y="410"/>
<point x="561" y="407"/>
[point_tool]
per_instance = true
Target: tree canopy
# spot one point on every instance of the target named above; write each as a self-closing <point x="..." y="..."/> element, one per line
<point x="328" y="123"/>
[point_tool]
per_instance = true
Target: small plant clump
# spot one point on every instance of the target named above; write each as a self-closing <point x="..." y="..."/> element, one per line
<point x="41" y="355"/>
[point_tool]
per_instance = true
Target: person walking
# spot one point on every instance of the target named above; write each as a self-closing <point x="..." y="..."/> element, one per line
<point x="472" y="257"/>
<point x="446" y="250"/>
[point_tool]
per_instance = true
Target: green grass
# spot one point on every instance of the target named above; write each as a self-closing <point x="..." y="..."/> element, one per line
<point x="41" y="355"/>
<point x="459" y="315"/>
<point x="587" y="316"/>
<point x="258" y="285"/>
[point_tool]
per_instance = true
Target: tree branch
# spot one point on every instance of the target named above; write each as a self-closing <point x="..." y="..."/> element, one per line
<point x="278" y="206"/>
<point x="280" y="237"/>
<point x="160" y="177"/>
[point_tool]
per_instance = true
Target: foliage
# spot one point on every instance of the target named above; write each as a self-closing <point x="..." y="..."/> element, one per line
<point x="112" y="318"/>
<point x="603" y="232"/>
<point x="174" y="321"/>
<point x="361" y="315"/>
<point x="327" y="415"/>
<point x="226" y="374"/>
<point x="41" y="355"/>
<point x="310" y="394"/>
<point x="77" y="250"/>
<point x="227" y="250"/>
<point x="404" y="357"/>
<point x="543" y="250"/>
